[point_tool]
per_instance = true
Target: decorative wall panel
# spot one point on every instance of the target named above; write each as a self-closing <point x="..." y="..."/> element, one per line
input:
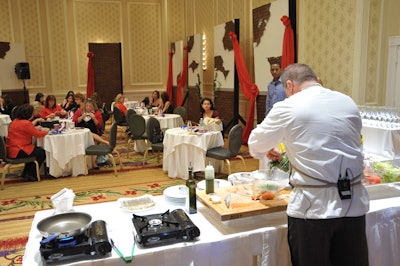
<point x="95" y="22"/>
<point x="32" y="39"/>
<point x="58" y="43"/>
<point x="176" y="20"/>
<point x="329" y="30"/>
<point x="5" y="22"/>
<point x="145" y="43"/>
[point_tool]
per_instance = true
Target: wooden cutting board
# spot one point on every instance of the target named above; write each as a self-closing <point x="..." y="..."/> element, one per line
<point x="241" y="204"/>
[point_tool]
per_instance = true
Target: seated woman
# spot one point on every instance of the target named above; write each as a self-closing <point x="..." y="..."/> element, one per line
<point x="207" y="109"/>
<point x="36" y="119"/>
<point x="79" y="100"/>
<point x="90" y="117"/>
<point x="155" y="99"/>
<point x="165" y="106"/>
<point x="52" y="109"/>
<point x="39" y="98"/>
<point x="6" y="105"/>
<point x="69" y="103"/>
<point x="119" y="103"/>
<point x="19" y="141"/>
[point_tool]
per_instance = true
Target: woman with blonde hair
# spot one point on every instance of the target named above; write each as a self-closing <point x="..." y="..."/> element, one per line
<point x="119" y="103"/>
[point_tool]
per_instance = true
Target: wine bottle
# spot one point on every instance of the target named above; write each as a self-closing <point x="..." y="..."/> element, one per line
<point x="209" y="175"/>
<point x="191" y="192"/>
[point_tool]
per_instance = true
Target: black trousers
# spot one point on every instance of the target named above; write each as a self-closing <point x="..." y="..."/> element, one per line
<point x="30" y="168"/>
<point x="328" y="242"/>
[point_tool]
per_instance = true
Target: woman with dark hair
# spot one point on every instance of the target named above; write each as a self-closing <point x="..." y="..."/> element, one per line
<point x="39" y="98"/>
<point x="6" y="105"/>
<point x="165" y="106"/>
<point x="207" y="109"/>
<point x="19" y="140"/>
<point x="52" y="109"/>
<point x="69" y="103"/>
<point x="155" y="99"/>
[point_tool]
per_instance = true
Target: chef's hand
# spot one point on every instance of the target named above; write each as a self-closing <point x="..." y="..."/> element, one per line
<point x="274" y="155"/>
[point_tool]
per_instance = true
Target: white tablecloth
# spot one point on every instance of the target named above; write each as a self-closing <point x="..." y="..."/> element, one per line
<point x="234" y="242"/>
<point x="181" y="148"/>
<point x="128" y="104"/>
<point x="381" y="141"/>
<point x="5" y="121"/>
<point x="167" y="121"/>
<point x="65" y="152"/>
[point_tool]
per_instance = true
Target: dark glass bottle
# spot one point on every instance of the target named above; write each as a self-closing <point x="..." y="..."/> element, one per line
<point x="191" y="188"/>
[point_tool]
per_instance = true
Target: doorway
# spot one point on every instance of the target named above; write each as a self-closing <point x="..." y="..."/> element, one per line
<point x="107" y="64"/>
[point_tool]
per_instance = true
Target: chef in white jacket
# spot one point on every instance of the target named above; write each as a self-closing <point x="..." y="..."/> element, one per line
<point x="320" y="129"/>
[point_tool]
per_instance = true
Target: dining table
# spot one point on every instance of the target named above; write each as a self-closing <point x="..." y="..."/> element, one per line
<point x="5" y="121"/>
<point x="183" y="147"/>
<point x="256" y="240"/>
<point x="166" y="121"/>
<point x="65" y="151"/>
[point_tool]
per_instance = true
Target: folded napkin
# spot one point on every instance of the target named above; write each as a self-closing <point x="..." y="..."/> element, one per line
<point x="213" y="124"/>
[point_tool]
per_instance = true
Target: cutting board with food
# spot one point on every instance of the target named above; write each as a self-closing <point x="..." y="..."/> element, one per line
<point x="235" y="202"/>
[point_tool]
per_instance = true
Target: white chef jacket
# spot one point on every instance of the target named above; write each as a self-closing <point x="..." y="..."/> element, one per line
<point x="321" y="132"/>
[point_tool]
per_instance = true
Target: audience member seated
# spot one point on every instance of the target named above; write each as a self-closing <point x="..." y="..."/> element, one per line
<point x="19" y="141"/>
<point x="90" y="117"/>
<point x="207" y="109"/>
<point x="69" y="103"/>
<point x="79" y="100"/>
<point x="39" y="98"/>
<point x="155" y="99"/>
<point x="165" y="106"/>
<point x="119" y="103"/>
<point x="36" y="118"/>
<point x="51" y="109"/>
<point x="6" y="105"/>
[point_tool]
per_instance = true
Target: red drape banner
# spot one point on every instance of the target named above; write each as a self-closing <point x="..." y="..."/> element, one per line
<point x="90" y="89"/>
<point x="288" y="43"/>
<point x="183" y="79"/>
<point x="250" y="90"/>
<point x="169" y="81"/>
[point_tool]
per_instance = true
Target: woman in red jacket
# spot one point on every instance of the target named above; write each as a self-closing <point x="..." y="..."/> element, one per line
<point x="19" y="140"/>
<point x="52" y="109"/>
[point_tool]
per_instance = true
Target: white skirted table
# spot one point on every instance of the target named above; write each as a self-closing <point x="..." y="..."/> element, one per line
<point x="5" y="121"/>
<point x="382" y="141"/>
<point x="235" y="242"/>
<point x="181" y="148"/>
<point x="65" y="152"/>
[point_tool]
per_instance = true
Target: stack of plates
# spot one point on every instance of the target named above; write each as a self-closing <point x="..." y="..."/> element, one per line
<point x="175" y="194"/>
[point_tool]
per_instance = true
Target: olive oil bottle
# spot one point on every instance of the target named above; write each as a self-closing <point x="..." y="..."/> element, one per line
<point x="191" y="206"/>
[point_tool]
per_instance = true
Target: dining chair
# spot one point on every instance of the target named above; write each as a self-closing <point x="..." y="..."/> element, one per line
<point x="155" y="137"/>
<point x="180" y="110"/>
<point x="120" y="119"/>
<point x="130" y="112"/>
<point x="101" y="149"/>
<point x="137" y="129"/>
<point x="11" y="161"/>
<point x="234" y="144"/>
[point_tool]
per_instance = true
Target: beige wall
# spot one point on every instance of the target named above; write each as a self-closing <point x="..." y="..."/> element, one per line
<point x="345" y="41"/>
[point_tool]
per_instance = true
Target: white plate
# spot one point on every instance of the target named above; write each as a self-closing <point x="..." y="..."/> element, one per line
<point x="175" y="194"/>
<point x="137" y="204"/>
<point x="217" y="183"/>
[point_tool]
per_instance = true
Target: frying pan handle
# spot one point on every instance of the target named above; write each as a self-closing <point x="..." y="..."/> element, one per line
<point x="49" y="239"/>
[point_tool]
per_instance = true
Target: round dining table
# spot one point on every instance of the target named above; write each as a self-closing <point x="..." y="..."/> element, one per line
<point x="65" y="151"/>
<point x="182" y="148"/>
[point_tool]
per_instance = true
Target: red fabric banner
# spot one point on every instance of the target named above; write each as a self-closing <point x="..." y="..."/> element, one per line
<point x="249" y="89"/>
<point x="288" y="43"/>
<point x="183" y="79"/>
<point x="169" y="81"/>
<point x="90" y="89"/>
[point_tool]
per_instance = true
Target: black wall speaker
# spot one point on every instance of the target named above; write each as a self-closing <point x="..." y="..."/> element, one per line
<point x="22" y="71"/>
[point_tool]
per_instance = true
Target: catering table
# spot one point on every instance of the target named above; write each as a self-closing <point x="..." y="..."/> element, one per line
<point x="381" y="140"/>
<point x="65" y="152"/>
<point x="166" y="121"/>
<point x="5" y="121"/>
<point x="182" y="148"/>
<point x="235" y="242"/>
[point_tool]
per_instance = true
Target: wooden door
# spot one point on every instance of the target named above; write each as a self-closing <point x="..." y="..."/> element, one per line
<point x="107" y="64"/>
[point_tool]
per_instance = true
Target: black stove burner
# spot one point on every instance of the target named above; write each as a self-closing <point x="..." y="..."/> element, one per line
<point x="164" y="228"/>
<point x="93" y="242"/>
